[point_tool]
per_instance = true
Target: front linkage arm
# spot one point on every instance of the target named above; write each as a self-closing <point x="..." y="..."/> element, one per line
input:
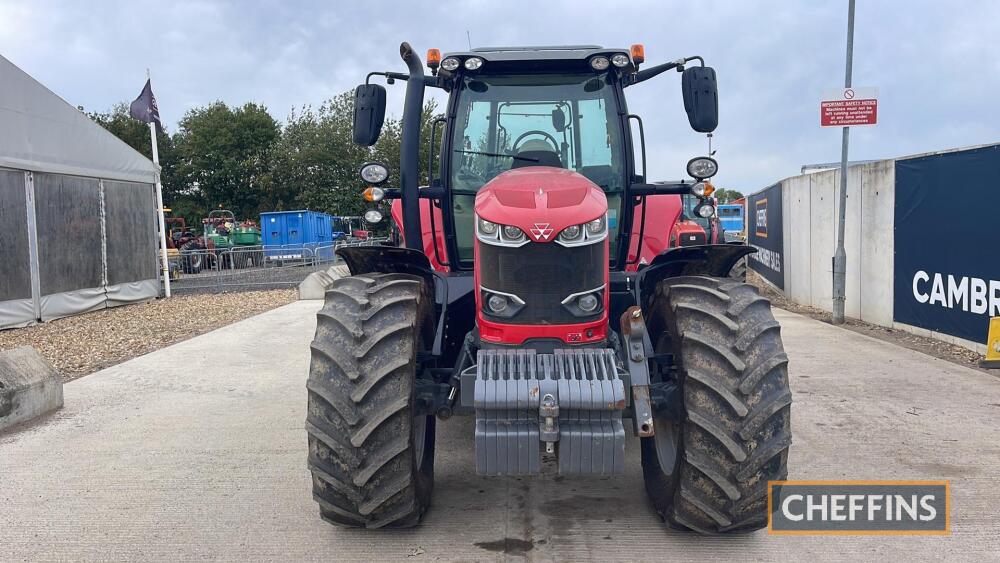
<point x="637" y="348"/>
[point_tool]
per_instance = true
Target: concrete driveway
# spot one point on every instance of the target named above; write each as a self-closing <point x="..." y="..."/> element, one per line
<point x="198" y="451"/>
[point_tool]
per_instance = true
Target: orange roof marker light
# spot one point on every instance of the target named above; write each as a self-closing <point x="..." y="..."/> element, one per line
<point x="638" y="53"/>
<point x="433" y="58"/>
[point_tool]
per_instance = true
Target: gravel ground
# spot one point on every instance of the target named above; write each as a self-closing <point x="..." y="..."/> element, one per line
<point x="930" y="346"/>
<point x="86" y="343"/>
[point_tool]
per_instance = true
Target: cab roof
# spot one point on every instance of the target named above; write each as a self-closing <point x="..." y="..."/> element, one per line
<point x="534" y="53"/>
<point x="546" y="58"/>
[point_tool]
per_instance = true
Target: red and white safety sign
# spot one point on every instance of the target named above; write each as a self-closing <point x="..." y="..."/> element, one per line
<point x="849" y="107"/>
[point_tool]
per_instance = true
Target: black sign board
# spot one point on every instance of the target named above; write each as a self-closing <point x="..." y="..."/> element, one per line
<point x="764" y="233"/>
<point x="946" y="270"/>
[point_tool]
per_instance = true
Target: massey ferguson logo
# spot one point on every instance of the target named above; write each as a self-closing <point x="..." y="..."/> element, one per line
<point x="541" y="231"/>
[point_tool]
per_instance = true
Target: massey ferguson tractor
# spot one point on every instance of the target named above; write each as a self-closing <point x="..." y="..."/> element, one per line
<point x="534" y="287"/>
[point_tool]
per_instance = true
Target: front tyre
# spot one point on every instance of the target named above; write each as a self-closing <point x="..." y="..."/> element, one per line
<point x="710" y="472"/>
<point x="371" y="456"/>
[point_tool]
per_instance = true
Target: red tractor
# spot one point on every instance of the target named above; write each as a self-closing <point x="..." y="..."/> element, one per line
<point x="535" y="288"/>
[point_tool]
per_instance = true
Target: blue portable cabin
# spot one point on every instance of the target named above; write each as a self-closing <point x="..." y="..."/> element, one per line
<point x="731" y="217"/>
<point x="299" y="234"/>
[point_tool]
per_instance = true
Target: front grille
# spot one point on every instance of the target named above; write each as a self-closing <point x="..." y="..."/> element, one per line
<point x="542" y="274"/>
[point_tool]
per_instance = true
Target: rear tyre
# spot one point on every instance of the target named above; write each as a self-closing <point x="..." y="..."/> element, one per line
<point x="371" y="457"/>
<point x="710" y="472"/>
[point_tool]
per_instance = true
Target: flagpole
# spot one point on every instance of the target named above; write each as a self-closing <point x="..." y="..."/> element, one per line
<point x="159" y="206"/>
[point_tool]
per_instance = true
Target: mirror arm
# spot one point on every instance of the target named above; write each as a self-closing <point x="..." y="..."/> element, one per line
<point x="646" y="74"/>
<point x="389" y="76"/>
<point x="665" y="188"/>
<point x="392" y="77"/>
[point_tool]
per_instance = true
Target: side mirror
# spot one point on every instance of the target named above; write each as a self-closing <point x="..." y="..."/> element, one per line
<point x="369" y="113"/>
<point x="701" y="98"/>
<point x="558" y="120"/>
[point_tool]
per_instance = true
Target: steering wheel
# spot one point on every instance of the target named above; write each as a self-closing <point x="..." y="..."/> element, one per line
<point x="548" y="137"/>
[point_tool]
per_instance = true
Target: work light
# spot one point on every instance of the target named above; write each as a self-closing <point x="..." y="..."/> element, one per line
<point x="702" y="167"/>
<point x="450" y="64"/>
<point x="599" y="63"/>
<point x="473" y="63"/>
<point x="705" y="210"/>
<point x="619" y="60"/>
<point x="373" y="216"/>
<point x="374" y="173"/>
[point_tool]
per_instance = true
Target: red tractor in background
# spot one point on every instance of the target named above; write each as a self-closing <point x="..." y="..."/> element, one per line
<point x="536" y="288"/>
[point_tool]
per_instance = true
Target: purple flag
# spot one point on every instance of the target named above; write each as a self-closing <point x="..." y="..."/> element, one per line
<point x="144" y="107"/>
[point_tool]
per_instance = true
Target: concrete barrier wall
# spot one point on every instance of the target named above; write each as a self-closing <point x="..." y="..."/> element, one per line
<point x="809" y="222"/>
<point x="810" y="228"/>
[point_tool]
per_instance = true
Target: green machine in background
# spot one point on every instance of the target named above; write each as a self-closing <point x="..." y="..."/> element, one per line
<point x="224" y="243"/>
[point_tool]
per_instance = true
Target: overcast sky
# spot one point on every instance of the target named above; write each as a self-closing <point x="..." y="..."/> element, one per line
<point x="936" y="63"/>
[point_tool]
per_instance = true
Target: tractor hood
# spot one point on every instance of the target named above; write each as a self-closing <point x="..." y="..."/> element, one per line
<point x="540" y="200"/>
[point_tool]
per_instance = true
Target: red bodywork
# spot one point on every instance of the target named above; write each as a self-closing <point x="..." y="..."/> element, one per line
<point x="541" y="201"/>
<point x="661" y="217"/>
<point x="396" y="208"/>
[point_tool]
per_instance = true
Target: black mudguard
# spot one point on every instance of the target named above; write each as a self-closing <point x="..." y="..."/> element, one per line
<point x="387" y="260"/>
<point x="706" y="260"/>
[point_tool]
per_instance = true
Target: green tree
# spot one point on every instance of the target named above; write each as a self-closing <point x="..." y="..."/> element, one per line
<point x="316" y="163"/>
<point x="726" y="196"/>
<point x="224" y="157"/>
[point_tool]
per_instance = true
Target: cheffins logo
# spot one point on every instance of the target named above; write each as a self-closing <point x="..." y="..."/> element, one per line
<point x="761" y="216"/>
<point x="858" y="507"/>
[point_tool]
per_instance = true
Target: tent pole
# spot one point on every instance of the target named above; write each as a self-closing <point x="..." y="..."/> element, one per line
<point x="165" y="266"/>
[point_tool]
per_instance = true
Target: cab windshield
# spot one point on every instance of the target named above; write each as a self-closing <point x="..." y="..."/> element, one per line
<point x="564" y="120"/>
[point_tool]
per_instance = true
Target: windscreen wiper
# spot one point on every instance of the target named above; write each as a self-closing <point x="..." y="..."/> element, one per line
<point x="498" y="154"/>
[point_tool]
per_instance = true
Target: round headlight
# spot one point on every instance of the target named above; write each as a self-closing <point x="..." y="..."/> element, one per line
<point x="705" y="211"/>
<point x="599" y="63"/>
<point x="487" y="228"/>
<point x="451" y="63"/>
<point x="619" y="60"/>
<point x="374" y="173"/>
<point x="698" y="189"/>
<point x="473" y="63"/>
<point x="497" y="303"/>
<point x="702" y="167"/>
<point x="512" y="233"/>
<point x="373" y="216"/>
<point x="596" y="226"/>
<point x="571" y="233"/>
<point x="587" y="303"/>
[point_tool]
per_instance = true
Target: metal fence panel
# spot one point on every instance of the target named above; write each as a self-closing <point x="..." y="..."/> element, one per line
<point x="256" y="267"/>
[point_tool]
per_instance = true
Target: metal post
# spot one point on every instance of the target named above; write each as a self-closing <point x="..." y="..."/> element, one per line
<point x="159" y="214"/>
<point x="840" y="256"/>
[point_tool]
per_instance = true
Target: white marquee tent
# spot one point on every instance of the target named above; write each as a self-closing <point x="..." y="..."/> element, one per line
<point x="77" y="209"/>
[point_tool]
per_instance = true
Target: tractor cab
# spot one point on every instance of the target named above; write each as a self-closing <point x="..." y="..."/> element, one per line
<point x="532" y="283"/>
